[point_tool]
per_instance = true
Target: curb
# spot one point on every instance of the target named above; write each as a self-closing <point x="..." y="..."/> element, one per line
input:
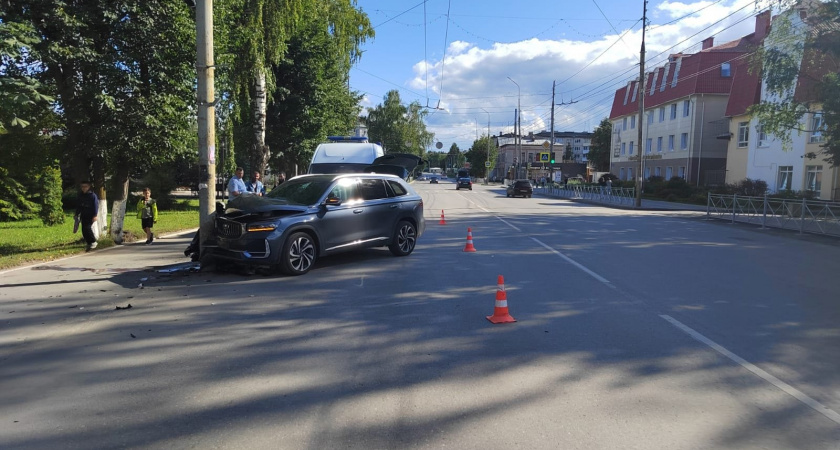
<point x="29" y="266"/>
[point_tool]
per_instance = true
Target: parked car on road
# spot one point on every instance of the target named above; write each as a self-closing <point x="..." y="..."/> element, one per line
<point x="312" y="216"/>
<point x="520" y="187"/>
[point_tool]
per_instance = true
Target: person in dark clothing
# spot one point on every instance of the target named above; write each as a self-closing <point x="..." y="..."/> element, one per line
<point x="87" y="207"/>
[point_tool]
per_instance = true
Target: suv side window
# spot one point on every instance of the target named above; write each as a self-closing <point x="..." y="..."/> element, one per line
<point x="372" y="189"/>
<point x="345" y="190"/>
<point x="397" y="188"/>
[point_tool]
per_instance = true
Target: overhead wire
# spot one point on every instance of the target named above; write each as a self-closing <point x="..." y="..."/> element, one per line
<point x="445" y="44"/>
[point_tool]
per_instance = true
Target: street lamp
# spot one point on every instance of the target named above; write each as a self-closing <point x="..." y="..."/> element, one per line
<point x="487" y="165"/>
<point x="518" y="118"/>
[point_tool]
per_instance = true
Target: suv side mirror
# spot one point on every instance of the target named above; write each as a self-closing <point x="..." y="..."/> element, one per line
<point x="333" y="201"/>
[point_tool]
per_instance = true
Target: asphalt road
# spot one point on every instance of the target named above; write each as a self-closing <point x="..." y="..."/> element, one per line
<point x="646" y="330"/>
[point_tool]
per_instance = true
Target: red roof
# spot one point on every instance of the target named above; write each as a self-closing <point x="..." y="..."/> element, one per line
<point x="746" y="89"/>
<point x="699" y="73"/>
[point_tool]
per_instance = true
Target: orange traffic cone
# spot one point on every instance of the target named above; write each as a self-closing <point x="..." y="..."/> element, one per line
<point x="469" y="247"/>
<point x="442" y="219"/>
<point x="500" y="312"/>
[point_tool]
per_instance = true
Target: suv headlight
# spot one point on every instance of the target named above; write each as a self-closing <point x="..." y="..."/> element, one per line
<point x="264" y="226"/>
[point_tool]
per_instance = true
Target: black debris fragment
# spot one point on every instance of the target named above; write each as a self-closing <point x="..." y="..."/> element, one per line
<point x="123" y="307"/>
<point x="132" y="335"/>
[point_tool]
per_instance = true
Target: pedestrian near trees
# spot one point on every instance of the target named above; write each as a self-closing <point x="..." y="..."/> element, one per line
<point x="147" y="212"/>
<point x="87" y="207"/>
<point x="236" y="186"/>
<point x="255" y="186"/>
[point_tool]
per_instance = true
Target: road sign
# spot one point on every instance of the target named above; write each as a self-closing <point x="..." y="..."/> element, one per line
<point x="546" y="144"/>
<point x="487" y="164"/>
<point x="544" y="157"/>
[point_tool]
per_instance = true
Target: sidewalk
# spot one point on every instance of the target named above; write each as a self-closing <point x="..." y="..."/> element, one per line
<point x="647" y="205"/>
<point x="69" y="291"/>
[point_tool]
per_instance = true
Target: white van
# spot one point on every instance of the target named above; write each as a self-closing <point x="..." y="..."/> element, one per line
<point x="344" y="155"/>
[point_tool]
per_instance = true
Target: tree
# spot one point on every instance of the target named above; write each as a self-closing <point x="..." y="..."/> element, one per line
<point x="599" y="151"/>
<point x="477" y="156"/>
<point x="399" y="128"/>
<point x="256" y="39"/>
<point x="568" y="154"/>
<point x="19" y="92"/>
<point x="799" y="65"/>
<point x="311" y="100"/>
<point x="123" y="75"/>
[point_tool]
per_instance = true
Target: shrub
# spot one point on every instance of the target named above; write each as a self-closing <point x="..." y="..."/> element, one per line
<point x="49" y="186"/>
<point x="679" y="187"/>
<point x="14" y="201"/>
<point x="750" y="187"/>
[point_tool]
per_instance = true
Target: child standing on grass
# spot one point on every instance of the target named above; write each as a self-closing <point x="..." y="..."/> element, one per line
<point x="147" y="212"/>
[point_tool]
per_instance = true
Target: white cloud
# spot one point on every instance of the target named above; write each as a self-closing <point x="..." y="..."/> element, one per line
<point x="476" y="77"/>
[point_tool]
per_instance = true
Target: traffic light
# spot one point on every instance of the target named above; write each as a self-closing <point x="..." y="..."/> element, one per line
<point x="552" y="157"/>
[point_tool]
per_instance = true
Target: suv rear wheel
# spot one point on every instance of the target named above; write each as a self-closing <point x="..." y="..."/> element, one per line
<point x="298" y="254"/>
<point x="404" y="240"/>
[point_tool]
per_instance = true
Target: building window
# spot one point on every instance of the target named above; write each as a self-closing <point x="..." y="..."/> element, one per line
<point x="659" y="144"/>
<point x="661" y="113"/>
<point x="683" y="141"/>
<point x="621" y="173"/>
<point x="650" y="117"/>
<point x="647" y="172"/>
<point x="631" y="148"/>
<point x="632" y="122"/>
<point x="762" y="136"/>
<point x="686" y="108"/>
<point x="624" y="125"/>
<point x="785" y="178"/>
<point x="743" y="134"/>
<point x="669" y="173"/>
<point x="681" y="172"/>
<point x="817" y="128"/>
<point x="671" y="143"/>
<point x="657" y="171"/>
<point x="530" y="157"/>
<point x="648" y="145"/>
<point x="673" y="111"/>
<point x="725" y="70"/>
<point x="623" y="148"/>
<point x="629" y="174"/>
<point x="813" y="179"/>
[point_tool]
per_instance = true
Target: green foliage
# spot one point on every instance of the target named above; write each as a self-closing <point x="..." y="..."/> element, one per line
<point x="599" y="151"/>
<point x="20" y="94"/>
<point x="14" y="204"/>
<point x="799" y="65"/>
<point x="477" y="155"/>
<point x="399" y="128"/>
<point x="49" y="195"/>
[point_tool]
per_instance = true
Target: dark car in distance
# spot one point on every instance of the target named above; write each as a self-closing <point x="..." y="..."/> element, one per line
<point x="312" y="216"/>
<point x="520" y="187"/>
<point x="463" y="180"/>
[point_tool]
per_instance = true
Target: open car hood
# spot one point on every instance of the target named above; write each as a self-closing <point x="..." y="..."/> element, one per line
<point x="399" y="164"/>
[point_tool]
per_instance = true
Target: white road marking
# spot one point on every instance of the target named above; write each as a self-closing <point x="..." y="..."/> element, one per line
<point x="788" y="389"/>
<point x="575" y="263"/>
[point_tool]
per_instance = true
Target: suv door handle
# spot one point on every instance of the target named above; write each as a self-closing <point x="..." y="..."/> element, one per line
<point x="357" y="211"/>
<point x="393" y="206"/>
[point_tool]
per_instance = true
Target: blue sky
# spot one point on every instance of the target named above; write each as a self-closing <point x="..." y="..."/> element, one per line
<point x="533" y="42"/>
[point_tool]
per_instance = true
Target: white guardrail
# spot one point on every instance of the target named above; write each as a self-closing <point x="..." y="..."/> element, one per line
<point x="805" y="216"/>
<point x="600" y="194"/>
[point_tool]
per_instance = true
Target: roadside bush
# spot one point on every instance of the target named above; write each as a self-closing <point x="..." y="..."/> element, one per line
<point x="750" y="187"/>
<point x="654" y="185"/>
<point x="678" y="187"/>
<point x="14" y="201"/>
<point x="50" y="195"/>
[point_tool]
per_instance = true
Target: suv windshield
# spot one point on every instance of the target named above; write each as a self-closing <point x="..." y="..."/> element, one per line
<point x="304" y="191"/>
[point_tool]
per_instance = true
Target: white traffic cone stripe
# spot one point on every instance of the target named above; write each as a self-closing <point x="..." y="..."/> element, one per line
<point x="501" y="303"/>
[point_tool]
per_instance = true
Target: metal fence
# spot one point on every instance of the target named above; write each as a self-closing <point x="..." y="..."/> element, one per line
<point x="805" y="216"/>
<point x="600" y="194"/>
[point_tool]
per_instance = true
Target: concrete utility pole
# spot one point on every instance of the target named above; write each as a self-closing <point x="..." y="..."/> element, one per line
<point x="487" y="169"/>
<point x="519" y="122"/>
<point x="551" y="144"/>
<point x="206" y="109"/>
<point x="641" y="88"/>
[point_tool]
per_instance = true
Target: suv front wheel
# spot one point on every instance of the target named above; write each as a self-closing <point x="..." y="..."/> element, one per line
<point x="298" y="254"/>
